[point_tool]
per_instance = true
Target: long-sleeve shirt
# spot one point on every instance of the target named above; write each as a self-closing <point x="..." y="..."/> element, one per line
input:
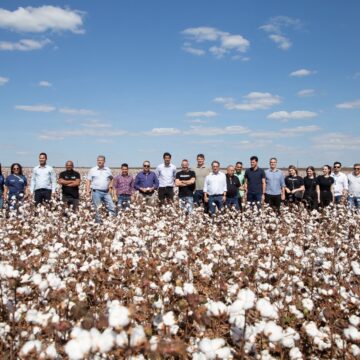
<point x="340" y="184"/>
<point x="43" y="177"/>
<point x="166" y="175"/>
<point x="124" y="185"/>
<point x="146" y="180"/>
<point x="215" y="184"/>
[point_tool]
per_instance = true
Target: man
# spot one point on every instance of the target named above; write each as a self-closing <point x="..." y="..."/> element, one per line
<point x="123" y="187"/>
<point x="201" y="171"/>
<point x="215" y="188"/>
<point x="255" y="183"/>
<point x="98" y="184"/>
<point x="43" y="181"/>
<point x="185" y="180"/>
<point x="275" y="185"/>
<point x="233" y="186"/>
<point x="340" y="183"/>
<point x="70" y="182"/>
<point x="146" y="182"/>
<point x="240" y="174"/>
<point x="354" y="187"/>
<point x="166" y="173"/>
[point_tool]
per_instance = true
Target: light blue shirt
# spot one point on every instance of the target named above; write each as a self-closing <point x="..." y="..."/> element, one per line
<point x="43" y="177"/>
<point x="275" y="181"/>
<point x="215" y="184"/>
<point x="100" y="178"/>
<point x="166" y="175"/>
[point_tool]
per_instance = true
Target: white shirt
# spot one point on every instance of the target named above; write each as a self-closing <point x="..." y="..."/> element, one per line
<point x="100" y="178"/>
<point x="166" y="174"/>
<point x="43" y="177"/>
<point x="354" y="184"/>
<point x="340" y="183"/>
<point x="215" y="184"/>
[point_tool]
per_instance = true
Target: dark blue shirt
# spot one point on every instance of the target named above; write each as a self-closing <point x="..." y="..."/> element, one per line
<point x="1" y="182"/>
<point x="254" y="180"/>
<point x="16" y="184"/>
<point x="146" y="180"/>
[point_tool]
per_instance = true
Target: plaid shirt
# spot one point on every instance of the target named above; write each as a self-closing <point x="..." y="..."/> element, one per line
<point x="124" y="185"/>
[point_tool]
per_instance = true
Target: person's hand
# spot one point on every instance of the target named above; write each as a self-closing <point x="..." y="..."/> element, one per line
<point x="224" y="198"/>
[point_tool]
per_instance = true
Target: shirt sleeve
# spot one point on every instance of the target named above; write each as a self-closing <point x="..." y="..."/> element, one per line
<point x="346" y="183"/>
<point x="206" y="184"/>
<point x="156" y="181"/>
<point x="132" y="183"/>
<point x="224" y="184"/>
<point x="32" y="182"/>
<point x="157" y="171"/>
<point x="89" y="175"/>
<point x="136" y="182"/>
<point x="301" y="181"/>
<point x="282" y="180"/>
<point x="53" y="180"/>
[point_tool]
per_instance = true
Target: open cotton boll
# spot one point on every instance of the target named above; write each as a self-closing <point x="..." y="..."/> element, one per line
<point x="51" y="352"/>
<point x="137" y="336"/>
<point x="308" y="304"/>
<point x="29" y="346"/>
<point x="106" y="341"/>
<point x="74" y="351"/>
<point x="119" y="316"/>
<point x="122" y="339"/>
<point x="247" y="297"/>
<point x="223" y="353"/>
<point x="166" y="277"/>
<point x="295" y="354"/>
<point x="352" y="333"/>
<point x="355" y="350"/>
<point x="273" y="332"/>
<point x="189" y="289"/>
<point x="355" y="267"/>
<point x="216" y="308"/>
<point x="210" y="346"/>
<point x="169" y="319"/>
<point x="354" y="320"/>
<point x="266" y="309"/>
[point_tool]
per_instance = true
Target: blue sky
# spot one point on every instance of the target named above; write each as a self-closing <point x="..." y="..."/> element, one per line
<point x="132" y="79"/>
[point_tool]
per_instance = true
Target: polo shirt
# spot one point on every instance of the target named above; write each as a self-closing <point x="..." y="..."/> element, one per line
<point x="340" y="183"/>
<point x="43" y="177"/>
<point x="254" y="180"/>
<point x="201" y="173"/>
<point x="241" y="177"/>
<point x="166" y="175"/>
<point x="215" y="184"/>
<point x="70" y="191"/>
<point x="100" y="178"/>
<point x="354" y="184"/>
<point x="186" y="191"/>
<point x="16" y="184"/>
<point x="275" y="181"/>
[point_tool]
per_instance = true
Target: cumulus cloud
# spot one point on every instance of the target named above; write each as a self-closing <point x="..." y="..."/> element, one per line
<point x="23" y="45"/>
<point x="285" y="132"/>
<point x="275" y="27"/>
<point x="292" y="115"/>
<point x="302" y="73"/>
<point x="81" y="112"/>
<point x="96" y="124"/>
<point x="306" y="92"/>
<point x="44" y="83"/>
<point x="36" y="108"/>
<point x="223" y="42"/>
<point x="336" y="141"/>
<point x="163" y="132"/>
<point x="3" y="80"/>
<point x="62" y="134"/>
<point x="252" y="101"/>
<point x="213" y="131"/>
<point x="41" y="19"/>
<point x="202" y="114"/>
<point x="349" y="105"/>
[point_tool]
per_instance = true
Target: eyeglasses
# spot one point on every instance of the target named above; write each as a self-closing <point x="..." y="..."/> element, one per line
<point x="16" y="168"/>
<point x="337" y="167"/>
<point x="146" y="166"/>
<point x="356" y="168"/>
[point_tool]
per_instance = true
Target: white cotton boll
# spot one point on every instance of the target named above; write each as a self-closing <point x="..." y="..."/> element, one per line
<point x="209" y="347"/>
<point x="166" y="277"/>
<point x="355" y="350"/>
<point x="247" y="297"/>
<point x="295" y="354"/>
<point x="73" y="350"/>
<point x="308" y="304"/>
<point x="122" y="340"/>
<point x="265" y="355"/>
<point x="223" y="353"/>
<point x="298" y="314"/>
<point x="36" y="279"/>
<point x="43" y="285"/>
<point x="169" y="319"/>
<point x="216" y="308"/>
<point x="199" y="356"/>
<point x="179" y="291"/>
<point x="181" y="256"/>
<point x="266" y="309"/>
<point x="289" y="337"/>
<point x="158" y="304"/>
<point x="51" y="352"/>
<point x="355" y="267"/>
<point x="188" y="289"/>
<point x="29" y="346"/>
<point x="273" y="332"/>
<point x="119" y="315"/>
<point x="106" y="341"/>
<point x="137" y="336"/>
<point x="354" y="320"/>
<point x="206" y="270"/>
<point x="352" y="333"/>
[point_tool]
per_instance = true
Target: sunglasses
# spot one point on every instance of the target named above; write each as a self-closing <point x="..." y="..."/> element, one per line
<point x="356" y="168"/>
<point x="337" y="167"/>
<point x="146" y="166"/>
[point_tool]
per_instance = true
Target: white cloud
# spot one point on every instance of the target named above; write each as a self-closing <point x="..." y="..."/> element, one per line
<point x="336" y="141"/>
<point x="302" y="73"/>
<point x="254" y="101"/>
<point x="202" y="114"/>
<point x="198" y="121"/>
<point x="44" y="83"/>
<point x="283" y="42"/>
<point x="293" y="115"/>
<point x="349" y="105"/>
<point x="36" y="108"/>
<point x="23" y="45"/>
<point x="62" y="134"/>
<point x="285" y="132"/>
<point x="163" y="132"/>
<point x="41" y="19"/>
<point x="306" y="92"/>
<point x="223" y="100"/>
<point x="96" y="124"/>
<point x="81" y="112"/>
<point x="213" y="131"/>
<point x="225" y="43"/>
<point x="3" y="80"/>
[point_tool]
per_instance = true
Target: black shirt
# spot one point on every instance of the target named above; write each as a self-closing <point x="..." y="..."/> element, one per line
<point x="310" y="186"/>
<point x="325" y="182"/>
<point x="232" y="184"/>
<point x="254" y="180"/>
<point x="294" y="182"/>
<point x="188" y="189"/>
<point x="69" y="190"/>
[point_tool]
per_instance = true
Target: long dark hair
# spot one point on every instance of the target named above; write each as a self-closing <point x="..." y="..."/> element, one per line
<point x="18" y="165"/>
<point x="313" y="170"/>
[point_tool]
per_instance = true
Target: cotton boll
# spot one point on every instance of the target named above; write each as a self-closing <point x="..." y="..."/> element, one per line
<point x="179" y="291"/>
<point x="73" y="350"/>
<point x="166" y="277"/>
<point x="354" y="320"/>
<point x="295" y="354"/>
<point x="119" y="316"/>
<point x="273" y="332"/>
<point x="51" y="352"/>
<point x="189" y="289"/>
<point x="122" y="339"/>
<point x="216" y="308"/>
<point x="29" y="346"/>
<point x="137" y="336"/>
<point x="355" y="350"/>
<point x="209" y="347"/>
<point x="223" y="353"/>
<point x="247" y="298"/>
<point x="106" y="341"/>
<point x="169" y="319"/>
<point x="266" y="309"/>
<point x="352" y="333"/>
<point x="355" y="267"/>
<point x="308" y="304"/>
<point x="154" y="341"/>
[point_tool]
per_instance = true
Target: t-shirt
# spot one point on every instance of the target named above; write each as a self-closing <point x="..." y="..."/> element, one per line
<point x="310" y="186"/>
<point x="16" y="184"/>
<point x="1" y="182"/>
<point x="187" y="190"/>
<point x="325" y="182"/>
<point x="233" y="184"/>
<point x="71" y="191"/>
<point x="254" y="180"/>
<point x="201" y="173"/>
<point x="294" y="182"/>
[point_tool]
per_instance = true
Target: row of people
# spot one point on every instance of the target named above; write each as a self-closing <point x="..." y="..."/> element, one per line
<point x="212" y="188"/>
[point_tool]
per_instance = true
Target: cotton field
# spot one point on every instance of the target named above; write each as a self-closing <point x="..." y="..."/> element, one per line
<point x="155" y="283"/>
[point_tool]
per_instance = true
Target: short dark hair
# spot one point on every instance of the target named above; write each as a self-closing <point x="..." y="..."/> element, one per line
<point x="239" y="163"/>
<point x="200" y="156"/>
<point x="166" y="154"/>
<point x="44" y="154"/>
<point x="254" y="158"/>
<point x="18" y="165"/>
<point x="337" y="163"/>
<point x="215" y="162"/>
<point x="125" y="165"/>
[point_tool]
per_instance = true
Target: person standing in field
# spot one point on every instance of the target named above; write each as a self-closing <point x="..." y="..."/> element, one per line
<point x="123" y="187"/>
<point x="255" y="183"/>
<point x="146" y="182"/>
<point x="43" y="181"/>
<point x="233" y="186"/>
<point x="185" y="180"/>
<point x="99" y="185"/>
<point x="275" y="186"/>
<point x="325" y="187"/>
<point x="69" y="180"/>
<point x="201" y="171"/>
<point x="354" y="187"/>
<point x="2" y="180"/>
<point x="240" y="174"/>
<point x="341" y="185"/>
<point x="166" y="173"/>
<point x="310" y="183"/>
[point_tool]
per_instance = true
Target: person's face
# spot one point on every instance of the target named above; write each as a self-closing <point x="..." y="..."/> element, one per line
<point x="146" y="167"/>
<point x="292" y="172"/>
<point x="69" y="165"/>
<point x="100" y="162"/>
<point x="325" y="170"/>
<point x="124" y="171"/>
<point x="200" y="161"/>
<point x="357" y="170"/>
<point x="337" y="168"/>
<point x="42" y="160"/>
<point x="273" y="164"/>
<point x="167" y="160"/>
<point x="16" y="169"/>
<point x="230" y="171"/>
<point x="309" y="173"/>
<point x="185" y="165"/>
<point x="238" y="168"/>
<point x="215" y="167"/>
<point x="253" y="163"/>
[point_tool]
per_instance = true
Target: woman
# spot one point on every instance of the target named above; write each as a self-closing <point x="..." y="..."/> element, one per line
<point x="1" y="188"/>
<point x="294" y="185"/>
<point x="310" y="194"/>
<point x="15" y="186"/>
<point x="325" y="187"/>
